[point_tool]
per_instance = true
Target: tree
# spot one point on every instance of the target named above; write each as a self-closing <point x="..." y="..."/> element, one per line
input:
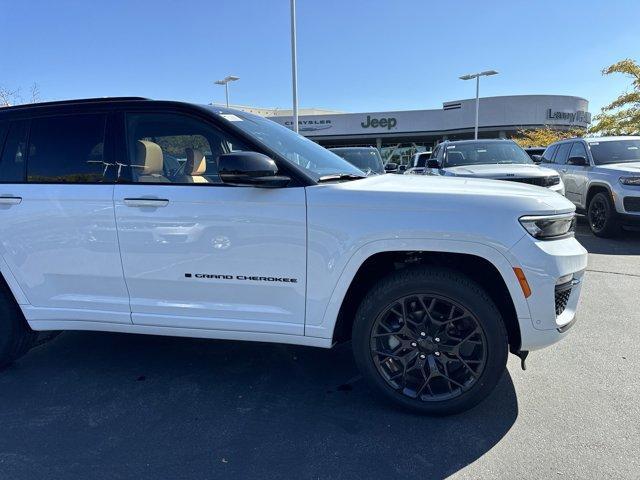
<point x="541" y="137"/>
<point x="13" y="97"/>
<point x="622" y="116"/>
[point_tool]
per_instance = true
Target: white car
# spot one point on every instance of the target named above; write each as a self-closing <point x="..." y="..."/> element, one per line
<point x="496" y="159"/>
<point x="602" y="178"/>
<point x="263" y="235"/>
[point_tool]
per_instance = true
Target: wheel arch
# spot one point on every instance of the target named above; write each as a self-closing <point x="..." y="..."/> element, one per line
<point x="594" y="188"/>
<point x="477" y="267"/>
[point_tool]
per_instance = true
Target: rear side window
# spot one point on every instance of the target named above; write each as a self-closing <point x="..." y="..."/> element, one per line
<point x="68" y="149"/>
<point x="578" y="150"/>
<point x="13" y="158"/>
<point x="563" y="153"/>
<point x="547" y="156"/>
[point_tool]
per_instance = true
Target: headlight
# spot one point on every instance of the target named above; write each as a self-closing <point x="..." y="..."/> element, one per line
<point x="551" y="181"/>
<point x="635" y="181"/>
<point x="549" y="227"/>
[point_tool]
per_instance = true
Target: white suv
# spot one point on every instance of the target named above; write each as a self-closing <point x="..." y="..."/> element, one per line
<point x="165" y="218"/>
<point x="498" y="159"/>
<point x="602" y="178"/>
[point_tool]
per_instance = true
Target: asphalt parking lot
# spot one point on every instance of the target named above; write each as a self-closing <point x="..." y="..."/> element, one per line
<point x="94" y="405"/>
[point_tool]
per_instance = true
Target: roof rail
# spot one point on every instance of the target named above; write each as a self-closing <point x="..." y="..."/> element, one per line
<point x="71" y="102"/>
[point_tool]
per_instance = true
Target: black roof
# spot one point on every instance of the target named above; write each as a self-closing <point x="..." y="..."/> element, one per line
<point x="80" y="101"/>
<point x="84" y="104"/>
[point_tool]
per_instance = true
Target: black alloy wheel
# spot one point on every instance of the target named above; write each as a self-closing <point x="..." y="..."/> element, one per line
<point x="430" y="339"/>
<point x="601" y="215"/>
<point x="428" y="347"/>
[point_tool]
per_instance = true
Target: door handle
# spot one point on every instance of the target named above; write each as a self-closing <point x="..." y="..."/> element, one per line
<point x="10" y="200"/>
<point x="146" y="202"/>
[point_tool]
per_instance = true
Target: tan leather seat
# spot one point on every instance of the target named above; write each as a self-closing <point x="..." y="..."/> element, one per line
<point x="148" y="167"/>
<point x="195" y="167"/>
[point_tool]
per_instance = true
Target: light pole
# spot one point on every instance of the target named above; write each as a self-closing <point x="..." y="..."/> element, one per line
<point x="477" y="77"/>
<point x="294" y="66"/>
<point x="225" y="81"/>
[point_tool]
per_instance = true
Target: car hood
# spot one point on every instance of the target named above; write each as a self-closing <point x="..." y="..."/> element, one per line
<point x="420" y="206"/>
<point x="500" y="171"/>
<point x="632" y="167"/>
<point x="452" y="193"/>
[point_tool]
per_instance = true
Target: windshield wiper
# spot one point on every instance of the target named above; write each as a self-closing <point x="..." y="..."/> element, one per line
<point x="339" y="176"/>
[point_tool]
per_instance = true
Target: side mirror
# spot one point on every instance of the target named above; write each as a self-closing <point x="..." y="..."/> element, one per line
<point x="391" y="167"/>
<point x="433" y="163"/>
<point x="250" y="169"/>
<point x="536" y="158"/>
<point x="402" y="168"/>
<point x="578" y="161"/>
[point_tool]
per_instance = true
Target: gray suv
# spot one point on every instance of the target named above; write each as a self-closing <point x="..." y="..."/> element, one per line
<point x="602" y="178"/>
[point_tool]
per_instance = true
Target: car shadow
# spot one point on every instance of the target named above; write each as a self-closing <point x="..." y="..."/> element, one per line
<point x="99" y="405"/>
<point x="627" y="243"/>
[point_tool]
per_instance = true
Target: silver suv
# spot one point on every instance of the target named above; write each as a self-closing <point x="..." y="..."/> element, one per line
<point x="602" y="178"/>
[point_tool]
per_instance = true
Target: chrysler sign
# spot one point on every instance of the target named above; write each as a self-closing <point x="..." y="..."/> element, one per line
<point x="311" y="125"/>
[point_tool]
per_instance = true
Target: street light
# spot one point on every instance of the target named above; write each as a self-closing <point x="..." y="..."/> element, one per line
<point x="477" y="77"/>
<point x="294" y="66"/>
<point x="225" y="81"/>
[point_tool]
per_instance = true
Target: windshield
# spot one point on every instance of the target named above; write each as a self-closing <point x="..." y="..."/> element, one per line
<point x="615" y="151"/>
<point x="366" y="159"/>
<point x="481" y="153"/>
<point x="317" y="160"/>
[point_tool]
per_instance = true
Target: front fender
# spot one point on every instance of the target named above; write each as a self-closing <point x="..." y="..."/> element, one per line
<point x="322" y="314"/>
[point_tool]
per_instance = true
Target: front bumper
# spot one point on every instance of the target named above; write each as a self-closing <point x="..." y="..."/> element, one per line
<point x="549" y="267"/>
<point x="629" y="219"/>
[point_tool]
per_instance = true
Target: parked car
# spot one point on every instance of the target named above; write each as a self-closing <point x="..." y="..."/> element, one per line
<point x="367" y="159"/>
<point x="535" y="153"/>
<point x="418" y="163"/>
<point x="392" y="167"/>
<point x="602" y="178"/>
<point x="496" y="159"/>
<point x="270" y="237"/>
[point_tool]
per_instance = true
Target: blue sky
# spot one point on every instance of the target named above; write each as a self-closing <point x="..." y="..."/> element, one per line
<point x="354" y="55"/>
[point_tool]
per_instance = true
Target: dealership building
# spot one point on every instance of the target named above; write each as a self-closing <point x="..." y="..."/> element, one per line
<point x="399" y="134"/>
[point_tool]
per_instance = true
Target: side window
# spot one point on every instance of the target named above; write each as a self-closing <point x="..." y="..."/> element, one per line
<point x="173" y="148"/>
<point x="68" y="149"/>
<point x="547" y="156"/>
<point x="562" y="154"/>
<point x="578" y="150"/>
<point x="13" y="158"/>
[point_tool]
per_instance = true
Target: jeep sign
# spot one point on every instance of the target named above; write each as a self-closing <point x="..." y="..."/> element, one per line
<point x="389" y="123"/>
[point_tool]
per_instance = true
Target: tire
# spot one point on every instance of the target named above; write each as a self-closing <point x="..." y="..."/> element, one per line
<point x="601" y="214"/>
<point x="437" y="291"/>
<point x="16" y="338"/>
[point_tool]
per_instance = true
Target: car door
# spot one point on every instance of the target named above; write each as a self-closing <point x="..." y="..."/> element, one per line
<point x="56" y="214"/>
<point x="200" y="254"/>
<point x="577" y="175"/>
